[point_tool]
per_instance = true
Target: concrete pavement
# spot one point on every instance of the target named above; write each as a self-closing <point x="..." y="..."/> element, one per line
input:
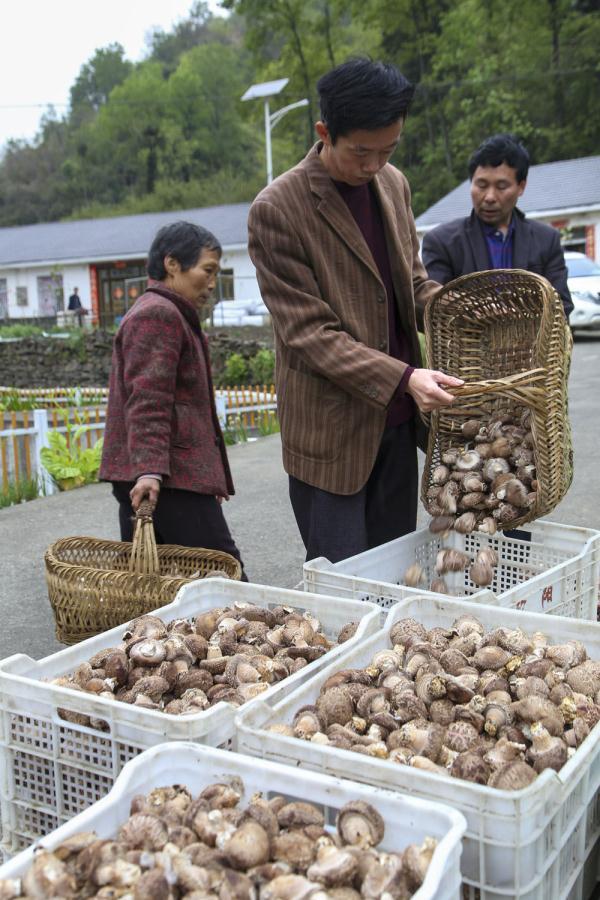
<point x="259" y="515"/>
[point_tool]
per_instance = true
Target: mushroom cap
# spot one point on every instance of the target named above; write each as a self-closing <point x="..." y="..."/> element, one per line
<point x="299" y="814"/>
<point x="470" y="767"/>
<point x="289" y="887"/>
<point x="293" y="848"/>
<point x="333" y="867"/>
<point x="460" y="736"/>
<point x="248" y="846"/>
<point x="359" y="823"/>
<point x="512" y="776"/>
<point x="335" y="706"/>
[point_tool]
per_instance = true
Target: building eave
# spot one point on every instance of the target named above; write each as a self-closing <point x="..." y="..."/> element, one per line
<point x="93" y="260"/>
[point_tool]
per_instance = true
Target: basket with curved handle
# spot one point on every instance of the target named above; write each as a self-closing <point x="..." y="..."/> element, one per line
<point x="144" y="555"/>
<point x="524" y="387"/>
<point x="504" y="332"/>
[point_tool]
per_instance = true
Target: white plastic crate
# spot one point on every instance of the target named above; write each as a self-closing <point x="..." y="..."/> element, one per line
<point x="407" y="820"/>
<point x="530" y="844"/>
<point x="51" y="769"/>
<point x="552" y="569"/>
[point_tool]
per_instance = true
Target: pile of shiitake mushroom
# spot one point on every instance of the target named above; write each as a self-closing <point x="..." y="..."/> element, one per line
<point x="487" y="482"/>
<point x="176" y="846"/>
<point x="184" y="666"/>
<point x="493" y="707"/>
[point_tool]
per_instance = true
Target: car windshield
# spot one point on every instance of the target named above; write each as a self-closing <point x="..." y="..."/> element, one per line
<point x="580" y="267"/>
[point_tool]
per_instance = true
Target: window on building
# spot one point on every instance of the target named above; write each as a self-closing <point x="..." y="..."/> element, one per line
<point x="119" y="285"/>
<point x="574" y="238"/>
<point x="22" y="298"/>
<point x="225" y="285"/>
<point x="50" y="294"/>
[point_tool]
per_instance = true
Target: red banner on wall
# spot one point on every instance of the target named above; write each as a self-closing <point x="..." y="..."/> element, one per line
<point x="590" y="241"/>
<point x="94" y="295"/>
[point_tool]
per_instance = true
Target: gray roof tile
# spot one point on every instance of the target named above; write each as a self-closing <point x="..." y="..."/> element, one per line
<point x="564" y="184"/>
<point x="123" y="236"/>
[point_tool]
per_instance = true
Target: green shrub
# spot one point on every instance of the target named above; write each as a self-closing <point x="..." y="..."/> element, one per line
<point x="235" y="431"/>
<point x="13" y="402"/>
<point x="262" y="367"/>
<point x="20" y="331"/>
<point x="70" y="464"/>
<point x="20" y="491"/>
<point x="235" y="370"/>
<point x="268" y="423"/>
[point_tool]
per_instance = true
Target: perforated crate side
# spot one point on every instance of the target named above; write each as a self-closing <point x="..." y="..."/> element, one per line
<point x="552" y="569"/>
<point x="530" y="844"/>
<point x="406" y="818"/>
<point x="62" y="766"/>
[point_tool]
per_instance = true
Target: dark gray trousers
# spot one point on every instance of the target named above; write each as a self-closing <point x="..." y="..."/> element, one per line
<point x="338" y="526"/>
<point x="181" y="517"/>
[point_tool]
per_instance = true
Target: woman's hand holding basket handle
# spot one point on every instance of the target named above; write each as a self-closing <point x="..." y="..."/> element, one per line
<point x="146" y="488"/>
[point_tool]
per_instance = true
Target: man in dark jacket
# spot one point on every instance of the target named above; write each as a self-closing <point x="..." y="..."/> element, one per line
<point x="497" y="235"/>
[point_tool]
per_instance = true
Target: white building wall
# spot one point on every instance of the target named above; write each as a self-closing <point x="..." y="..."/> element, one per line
<point x="78" y="275"/>
<point x="244" y="273"/>
<point x="72" y="276"/>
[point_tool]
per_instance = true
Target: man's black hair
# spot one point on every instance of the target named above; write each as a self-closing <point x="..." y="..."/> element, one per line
<point x="498" y="149"/>
<point x="362" y="94"/>
<point x="184" y="242"/>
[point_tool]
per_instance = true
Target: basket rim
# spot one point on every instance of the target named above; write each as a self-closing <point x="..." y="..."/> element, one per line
<point x="124" y="547"/>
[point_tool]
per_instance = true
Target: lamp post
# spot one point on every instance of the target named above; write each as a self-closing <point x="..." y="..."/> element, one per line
<point x="265" y="90"/>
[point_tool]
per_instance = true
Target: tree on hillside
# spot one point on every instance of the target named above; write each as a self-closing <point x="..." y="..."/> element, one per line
<point x="106" y="69"/>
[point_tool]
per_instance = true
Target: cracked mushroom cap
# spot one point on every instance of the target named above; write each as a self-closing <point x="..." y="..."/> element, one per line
<point x="404" y="629"/>
<point x="144" y="832"/>
<point x="358" y="823"/>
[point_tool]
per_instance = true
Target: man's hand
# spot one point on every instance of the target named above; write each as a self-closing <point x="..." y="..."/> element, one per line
<point x="145" y="488"/>
<point x="424" y="385"/>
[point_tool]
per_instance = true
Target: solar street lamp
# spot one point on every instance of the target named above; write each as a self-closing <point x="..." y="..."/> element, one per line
<point x="265" y="91"/>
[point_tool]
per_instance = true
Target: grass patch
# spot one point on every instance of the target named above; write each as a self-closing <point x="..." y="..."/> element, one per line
<point x="19" y="492"/>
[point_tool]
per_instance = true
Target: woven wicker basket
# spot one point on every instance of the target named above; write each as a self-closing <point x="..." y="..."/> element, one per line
<point x="504" y="332"/>
<point x="94" y="585"/>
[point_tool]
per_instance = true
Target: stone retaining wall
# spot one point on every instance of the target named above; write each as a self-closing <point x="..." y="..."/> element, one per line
<point x="85" y="360"/>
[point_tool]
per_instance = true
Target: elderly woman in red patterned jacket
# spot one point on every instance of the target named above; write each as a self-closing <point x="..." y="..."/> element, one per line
<point x="163" y="441"/>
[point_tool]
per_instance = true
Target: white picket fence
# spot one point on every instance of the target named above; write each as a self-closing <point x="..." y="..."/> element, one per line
<point x="23" y="434"/>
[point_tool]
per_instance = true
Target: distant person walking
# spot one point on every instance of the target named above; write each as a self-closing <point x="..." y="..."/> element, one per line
<point x="497" y="235"/>
<point x="76" y="306"/>
<point x="163" y="442"/>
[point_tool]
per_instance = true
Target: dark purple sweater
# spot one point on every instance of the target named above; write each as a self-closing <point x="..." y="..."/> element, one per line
<point x="362" y="203"/>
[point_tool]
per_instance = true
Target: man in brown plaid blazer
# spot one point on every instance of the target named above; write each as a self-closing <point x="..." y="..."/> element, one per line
<point x="336" y="253"/>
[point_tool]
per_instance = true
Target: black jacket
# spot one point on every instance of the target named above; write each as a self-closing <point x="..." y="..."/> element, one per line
<point x="459" y="248"/>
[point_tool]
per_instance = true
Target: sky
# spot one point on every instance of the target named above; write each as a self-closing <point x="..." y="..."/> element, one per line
<point x="44" y="45"/>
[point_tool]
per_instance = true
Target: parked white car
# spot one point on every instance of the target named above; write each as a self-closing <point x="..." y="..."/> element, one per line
<point x="584" y="284"/>
<point x="240" y="312"/>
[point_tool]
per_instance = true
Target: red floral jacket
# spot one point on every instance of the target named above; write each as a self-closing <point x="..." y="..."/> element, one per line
<point x="161" y="415"/>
